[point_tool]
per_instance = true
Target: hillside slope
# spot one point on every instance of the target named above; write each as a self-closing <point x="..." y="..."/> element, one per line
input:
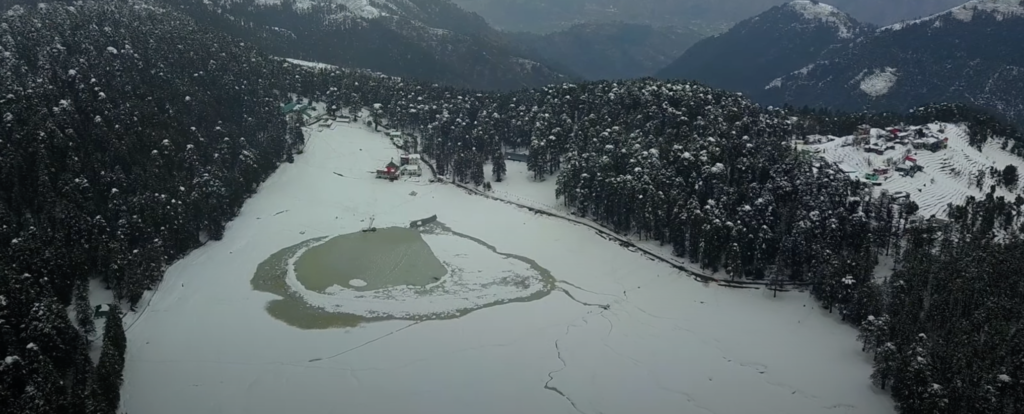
<point x="771" y="44"/>
<point x="612" y="50"/>
<point x="433" y="40"/>
<point x="119" y="153"/>
<point x="968" y="54"/>
<point x="948" y="176"/>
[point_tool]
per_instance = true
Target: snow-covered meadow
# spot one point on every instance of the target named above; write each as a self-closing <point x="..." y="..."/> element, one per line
<point x="621" y="334"/>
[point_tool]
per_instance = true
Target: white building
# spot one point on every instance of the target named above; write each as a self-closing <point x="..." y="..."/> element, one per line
<point x="412" y="170"/>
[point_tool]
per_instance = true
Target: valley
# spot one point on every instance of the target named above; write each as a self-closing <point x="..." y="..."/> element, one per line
<point x="617" y="332"/>
<point x="393" y="206"/>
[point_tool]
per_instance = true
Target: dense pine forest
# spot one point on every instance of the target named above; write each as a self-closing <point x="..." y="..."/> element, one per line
<point x="127" y="136"/>
<point x="130" y="135"/>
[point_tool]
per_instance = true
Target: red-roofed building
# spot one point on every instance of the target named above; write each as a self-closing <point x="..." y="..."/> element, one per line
<point x="389" y="171"/>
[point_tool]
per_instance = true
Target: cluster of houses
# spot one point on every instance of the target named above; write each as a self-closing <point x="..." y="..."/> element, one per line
<point x="322" y="121"/>
<point x="878" y="141"/>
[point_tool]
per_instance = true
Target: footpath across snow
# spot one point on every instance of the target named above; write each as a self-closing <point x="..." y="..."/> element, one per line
<point x="620" y="333"/>
<point x="519" y="188"/>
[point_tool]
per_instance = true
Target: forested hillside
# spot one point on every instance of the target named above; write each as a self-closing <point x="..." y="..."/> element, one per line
<point x="127" y="135"/>
<point x="772" y="44"/>
<point x="614" y="50"/>
<point x="968" y="54"/>
<point x="432" y="40"/>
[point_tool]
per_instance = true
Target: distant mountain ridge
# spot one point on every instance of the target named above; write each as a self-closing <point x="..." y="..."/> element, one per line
<point x="970" y="53"/>
<point x="432" y="40"/>
<point x="545" y="16"/>
<point x="764" y="47"/>
<point x="1000" y="9"/>
<point x="613" y="50"/>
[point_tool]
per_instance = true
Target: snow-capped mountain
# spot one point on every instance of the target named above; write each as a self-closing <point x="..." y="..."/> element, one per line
<point x="714" y="15"/>
<point x="970" y="53"/>
<point x="815" y="13"/>
<point x="425" y="39"/>
<point x="999" y="9"/>
<point x="774" y="43"/>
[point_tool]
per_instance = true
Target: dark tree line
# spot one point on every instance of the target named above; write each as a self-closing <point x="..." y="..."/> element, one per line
<point x="128" y="135"/>
<point x="947" y="338"/>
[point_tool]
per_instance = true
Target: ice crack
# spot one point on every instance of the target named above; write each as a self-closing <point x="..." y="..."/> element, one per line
<point x="596" y="305"/>
<point x="367" y="342"/>
<point x="586" y="290"/>
<point x="551" y="377"/>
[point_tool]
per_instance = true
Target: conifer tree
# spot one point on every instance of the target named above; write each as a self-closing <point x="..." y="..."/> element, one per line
<point x="106" y="391"/>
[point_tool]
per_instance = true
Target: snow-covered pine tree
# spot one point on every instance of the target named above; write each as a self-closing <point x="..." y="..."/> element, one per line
<point x="108" y="375"/>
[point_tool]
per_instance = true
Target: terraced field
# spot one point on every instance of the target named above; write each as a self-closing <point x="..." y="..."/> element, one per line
<point x="948" y="175"/>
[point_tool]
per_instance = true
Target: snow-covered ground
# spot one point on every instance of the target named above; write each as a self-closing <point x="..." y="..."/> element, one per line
<point x="879" y="83"/>
<point x="519" y="187"/>
<point x="315" y="65"/>
<point x="948" y="175"/>
<point x="830" y="15"/>
<point x="802" y="72"/>
<point x="635" y="336"/>
<point x="361" y="8"/>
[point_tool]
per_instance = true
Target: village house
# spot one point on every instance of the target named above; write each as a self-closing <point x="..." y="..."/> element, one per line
<point x="874" y="148"/>
<point x="389" y="172"/>
<point x="409" y="159"/>
<point x="101" y="311"/>
<point x="412" y="170"/>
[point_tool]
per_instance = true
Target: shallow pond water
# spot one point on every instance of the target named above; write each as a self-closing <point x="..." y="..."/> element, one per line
<point x="394" y="273"/>
<point x="372" y="260"/>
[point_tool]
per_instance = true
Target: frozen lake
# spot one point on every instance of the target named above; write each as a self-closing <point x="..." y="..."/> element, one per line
<point x="533" y="315"/>
<point x="393" y="273"/>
